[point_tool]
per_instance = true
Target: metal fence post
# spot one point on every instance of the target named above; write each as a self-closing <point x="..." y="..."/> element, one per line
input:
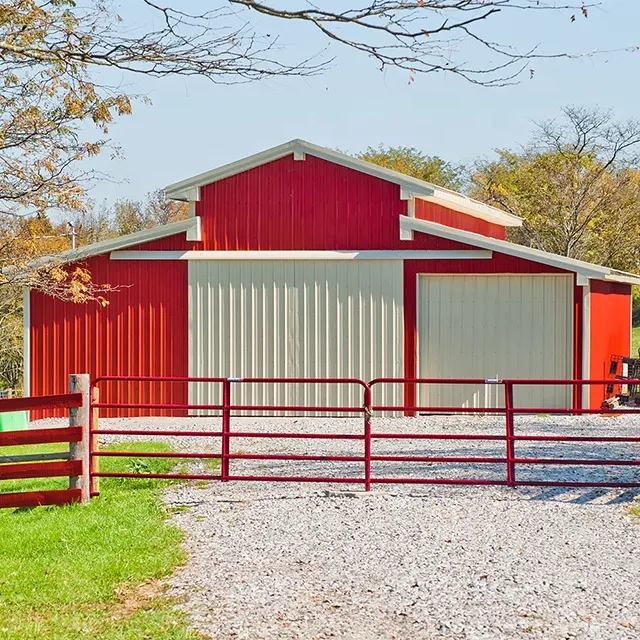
<point x="367" y="438"/>
<point x="94" y="466"/>
<point x="508" y="403"/>
<point x="226" y="427"/>
<point x="79" y="417"/>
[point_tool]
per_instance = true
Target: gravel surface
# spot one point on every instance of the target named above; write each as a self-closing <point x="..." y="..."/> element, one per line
<point x="298" y="560"/>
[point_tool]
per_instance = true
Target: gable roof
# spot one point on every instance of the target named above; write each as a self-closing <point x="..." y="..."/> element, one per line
<point x="586" y="269"/>
<point x="187" y="190"/>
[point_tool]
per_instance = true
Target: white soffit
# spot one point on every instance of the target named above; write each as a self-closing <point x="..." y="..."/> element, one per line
<point x="411" y="187"/>
<point x="301" y="255"/>
<point x="586" y="269"/>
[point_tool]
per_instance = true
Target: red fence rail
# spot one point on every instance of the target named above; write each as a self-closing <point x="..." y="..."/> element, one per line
<point x="367" y="436"/>
<point x="44" y="465"/>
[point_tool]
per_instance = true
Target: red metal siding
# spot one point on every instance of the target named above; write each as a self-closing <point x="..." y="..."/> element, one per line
<point x="305" y="205"/>
<point x="143" y="331"/>
<point x="610" y="306"/>
<point x="437" y="213"/>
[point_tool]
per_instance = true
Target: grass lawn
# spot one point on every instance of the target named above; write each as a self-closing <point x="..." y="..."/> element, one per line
<point x="635" y="341"/>
<point x="91" y="571"/>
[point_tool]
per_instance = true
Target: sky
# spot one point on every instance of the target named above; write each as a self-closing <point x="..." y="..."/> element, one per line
<point x="193" y="125"/>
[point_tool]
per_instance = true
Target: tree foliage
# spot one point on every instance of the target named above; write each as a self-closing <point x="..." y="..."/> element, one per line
<point x="412" y="162"/>
<point x="577" y="186"/>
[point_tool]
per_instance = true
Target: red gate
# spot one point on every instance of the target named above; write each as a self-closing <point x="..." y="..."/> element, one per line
<point x="366" y="436"/>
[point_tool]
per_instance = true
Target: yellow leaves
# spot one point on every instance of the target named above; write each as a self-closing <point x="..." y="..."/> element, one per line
<point x="123" y="105"/>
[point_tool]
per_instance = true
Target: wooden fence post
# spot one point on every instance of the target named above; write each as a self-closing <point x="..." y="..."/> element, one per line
<point x="79" y="417"/>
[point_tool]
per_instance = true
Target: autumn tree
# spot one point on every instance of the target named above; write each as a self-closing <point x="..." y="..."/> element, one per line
<point x="576" y="184"/>
<point x="412" y="162"/>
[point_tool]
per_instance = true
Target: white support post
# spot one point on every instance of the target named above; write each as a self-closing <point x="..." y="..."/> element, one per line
<point x="79" y="417"/>
<point x="586" y="339"/>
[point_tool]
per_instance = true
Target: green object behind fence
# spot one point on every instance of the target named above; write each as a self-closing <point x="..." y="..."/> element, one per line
<point x="13" y="421"/>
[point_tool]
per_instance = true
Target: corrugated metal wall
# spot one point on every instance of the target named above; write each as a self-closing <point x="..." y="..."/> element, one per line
<point x="142" y="331"/>
<point x="311" y="204"/>
<point x="433" y="212"/>
<point x="610" y="304"/>
<point x="295" y="319"/>
<point x="482" y="326"/>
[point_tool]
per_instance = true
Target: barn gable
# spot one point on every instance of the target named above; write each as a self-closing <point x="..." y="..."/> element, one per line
<point x="301" y="196"/>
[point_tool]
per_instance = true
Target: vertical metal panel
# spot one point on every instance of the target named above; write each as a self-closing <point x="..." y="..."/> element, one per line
<point x="306" y="205"/>
<point x="295" y="319"/>
<point x="610" y="329"/>
<point x="442" y="215"/>
<point x="142" y="331"/>
<point x="509" y="326"/>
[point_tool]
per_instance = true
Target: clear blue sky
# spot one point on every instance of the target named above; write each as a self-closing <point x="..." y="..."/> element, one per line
<point x="194" y="125"/>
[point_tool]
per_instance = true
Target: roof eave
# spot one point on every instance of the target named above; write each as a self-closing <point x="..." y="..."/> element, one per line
<point x="587" y="269"/>
<point x="191" y="226"/>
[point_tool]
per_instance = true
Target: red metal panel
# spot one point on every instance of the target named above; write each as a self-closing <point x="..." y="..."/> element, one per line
<point x="305" y="205"/>
<point x="610" y="330"/>
<point x="437" y="213"/>
<point x="142" y="331"/>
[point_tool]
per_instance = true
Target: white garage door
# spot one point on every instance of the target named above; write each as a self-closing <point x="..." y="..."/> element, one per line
<point x="495" y="326"/>
<point x="295" y="319"/>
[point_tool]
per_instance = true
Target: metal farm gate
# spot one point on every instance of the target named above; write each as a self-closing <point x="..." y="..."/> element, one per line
<point x="366" y="441"/>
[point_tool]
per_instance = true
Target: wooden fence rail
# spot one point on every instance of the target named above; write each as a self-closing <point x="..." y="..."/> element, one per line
<point x="73" y="463"/>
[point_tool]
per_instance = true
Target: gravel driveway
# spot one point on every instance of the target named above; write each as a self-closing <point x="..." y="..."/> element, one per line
<point x="283" y="560"/>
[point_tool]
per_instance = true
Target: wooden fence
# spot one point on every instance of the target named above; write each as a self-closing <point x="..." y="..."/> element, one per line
<point x="73" y="463"/>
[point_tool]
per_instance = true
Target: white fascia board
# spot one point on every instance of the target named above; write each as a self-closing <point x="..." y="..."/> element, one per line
<point x="587" y="269"/>
<point x="194" y="234"/>
<point x="122" y="242"/>
<point x="409" y="187"/>
<point x="301" y="255"/>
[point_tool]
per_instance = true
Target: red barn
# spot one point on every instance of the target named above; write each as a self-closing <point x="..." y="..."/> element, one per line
<point x="301" y="261"/>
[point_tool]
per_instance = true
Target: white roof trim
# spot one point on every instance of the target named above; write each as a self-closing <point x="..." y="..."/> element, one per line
<point x="302" y="255"/>
<point x="586" y="269"/>
<point x="412" y="187"/>
<point x="122" y="242"/>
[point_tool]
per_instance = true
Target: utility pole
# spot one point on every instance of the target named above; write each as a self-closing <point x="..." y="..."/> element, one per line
<point x="73" y="234"/>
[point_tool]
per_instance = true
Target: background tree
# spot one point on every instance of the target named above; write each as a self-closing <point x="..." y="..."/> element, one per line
<point x="577" y="186"/>
<point x="412" y="162"/>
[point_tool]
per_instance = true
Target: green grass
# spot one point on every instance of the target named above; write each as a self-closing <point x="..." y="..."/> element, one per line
<point x="91" y="571"/>
<point x="635" y="341"/>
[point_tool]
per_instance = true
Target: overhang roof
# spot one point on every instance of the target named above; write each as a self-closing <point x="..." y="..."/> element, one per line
<point x="187" y="190"/>
<point x="191" y="226"/>
<point x="519" y="251"/>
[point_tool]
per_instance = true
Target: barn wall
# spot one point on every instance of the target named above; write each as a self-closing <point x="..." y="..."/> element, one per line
<point x="306" y="205"/>
<point x="143" y="331"/>
<point x="436" y="213"/>
<point x="295" y="319"/>
<point x="610" y="307"/>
